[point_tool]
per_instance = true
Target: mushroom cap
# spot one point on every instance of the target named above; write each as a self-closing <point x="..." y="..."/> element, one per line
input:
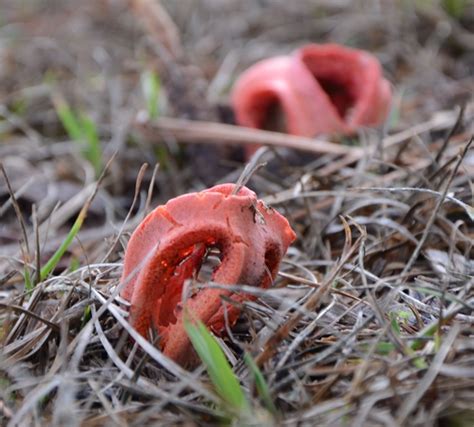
<point x="169" y="245"/>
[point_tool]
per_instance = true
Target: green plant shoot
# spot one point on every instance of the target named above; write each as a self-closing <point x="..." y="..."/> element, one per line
<point x="222" y="377"/>
<point x="151" y="87"/>
<point x="82" y="130"/>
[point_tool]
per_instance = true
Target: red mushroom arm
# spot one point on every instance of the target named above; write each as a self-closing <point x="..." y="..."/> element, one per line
<point x="353" y="81"/>
<point x="286" y="81"/>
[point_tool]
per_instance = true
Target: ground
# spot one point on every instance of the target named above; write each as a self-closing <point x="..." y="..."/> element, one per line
<point x="370" y="319"/>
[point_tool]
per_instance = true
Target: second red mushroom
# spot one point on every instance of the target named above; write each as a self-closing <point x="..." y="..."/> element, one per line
<point x="319" y="89"/>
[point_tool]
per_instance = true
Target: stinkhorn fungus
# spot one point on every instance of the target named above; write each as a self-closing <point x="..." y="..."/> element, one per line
<point x="171" y="243"/>
<point x="318" y="89"/>
<point x="283" y="82"/>
<point x="352" y="81"/>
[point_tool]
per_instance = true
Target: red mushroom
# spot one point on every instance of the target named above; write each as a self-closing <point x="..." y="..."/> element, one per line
<point x="352" y="81"/>
<point x="286" y="82"/>
<point x="319" y="89"/>
<point x="172" y="241"/>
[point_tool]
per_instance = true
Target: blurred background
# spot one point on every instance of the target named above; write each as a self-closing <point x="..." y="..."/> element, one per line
<point x="69" y="68"/>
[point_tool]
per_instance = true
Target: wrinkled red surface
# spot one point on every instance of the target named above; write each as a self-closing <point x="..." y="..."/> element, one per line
<point x="319" y="88"/>
<point x="352" y="80"/>
<point x="287" y="81"/>
<point x="169" y="246"/>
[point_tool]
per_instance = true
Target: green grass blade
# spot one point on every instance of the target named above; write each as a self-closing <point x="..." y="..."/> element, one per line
<point x="455" y="8"/>
<point x="394" y="323"/>
<point x="260" y="383"/>
<point x="69" y="121"/>
<point x="54" y="260"/>
<point x="225" y="382"/>
<point x="80" y="129"/>
<point x="93" y="151"/>
<point x="28" y="282"/>
<point x="151" y="87"/>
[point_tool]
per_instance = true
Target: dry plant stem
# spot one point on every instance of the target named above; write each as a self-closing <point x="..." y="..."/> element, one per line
<point x="415" y="190"/>
<point x="191" y="131"/>
<point x="298" y="340"/>
<point x="315" y="284"/>
<point x="37" y="337"/>
<point x="158" y="23"/>
<point x="361" y="370"/>
<point x="439" y="203"/>
<point x="37" y="246"/>
<point x="149" y="196"/>
<point x="251" y="167"/>
<point x="18" y="193"/>
<point x="282" y="332"/>
<point x="7" y="277"/>
<point x="392" y="141"/>
<point x="378" y="313"/>
<point x="127" y="371"/>
<point x="412" y="400"/>
<point x="451" y="133"/>
<point x="29" y="313"/>
<point x="39" y="393"/>
<point x="18" y="213"/>
<point x="138" y="184"/>
<point x="14" y="331"/>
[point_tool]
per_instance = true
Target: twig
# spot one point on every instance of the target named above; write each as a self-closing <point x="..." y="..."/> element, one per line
<point x="439" y="203"/>
<point x="412" y="400"/>
<point x="16" y="206"/>
<point x="150" y="190"/>
<point x="138" y="184"/>
<point x="250" y="168"/>
<point x="271" y="345"/>
<point x="450" y="134"/>
<point x="29" y="313"/>
<point x="37" y="244"/>
<point x="191" y="131"/>
<point x="159" y="24"/>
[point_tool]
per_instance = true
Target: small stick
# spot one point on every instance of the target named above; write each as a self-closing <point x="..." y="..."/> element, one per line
<point x="158" y="24"/>
<point x="451" y="133"/>
<point x="192" y="131"/>
<point x="138" y="184"/>
<point x="16" y="206"/>
<point x="250" y="168"/>
<point x="432" y="218"/>
<point x="37" y="245"/>
<point x="197" y="132"/>
<point x="150" y="190"/>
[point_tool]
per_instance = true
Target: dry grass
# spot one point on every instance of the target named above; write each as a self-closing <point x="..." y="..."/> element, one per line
<point x="370" y="321"/>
